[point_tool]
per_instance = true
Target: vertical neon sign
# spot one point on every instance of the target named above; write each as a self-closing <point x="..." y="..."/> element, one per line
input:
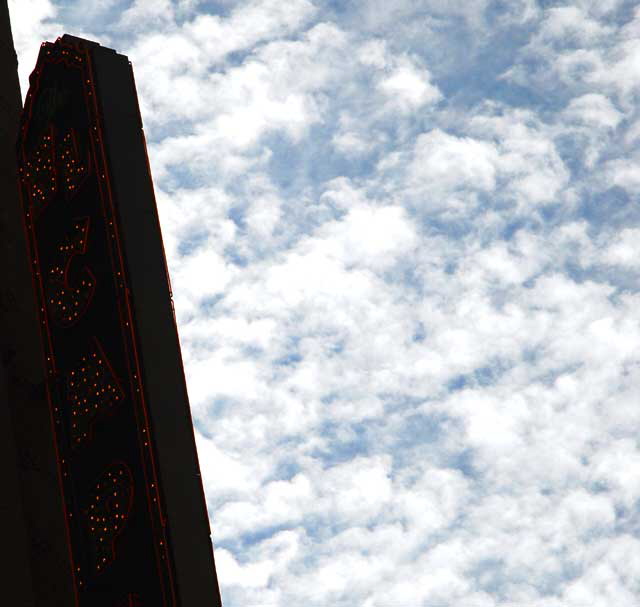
<point x="116" y="523"/>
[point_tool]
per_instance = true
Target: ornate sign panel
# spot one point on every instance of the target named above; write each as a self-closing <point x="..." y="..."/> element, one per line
<point x="119" y="502"/>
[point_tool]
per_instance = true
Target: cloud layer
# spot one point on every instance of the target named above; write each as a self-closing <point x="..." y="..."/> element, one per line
<point x="403" y="242"/>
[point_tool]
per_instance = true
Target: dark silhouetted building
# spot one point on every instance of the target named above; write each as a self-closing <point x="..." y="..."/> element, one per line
<point x="103" y="503"/>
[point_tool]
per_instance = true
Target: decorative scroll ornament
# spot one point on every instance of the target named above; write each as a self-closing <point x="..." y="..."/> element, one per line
<point x="107" y="513"/>
<point x="92" y="389"/>
<point x="39" y="174"/>
<point x="68" y="302"/>
<point x="72" y="169"/>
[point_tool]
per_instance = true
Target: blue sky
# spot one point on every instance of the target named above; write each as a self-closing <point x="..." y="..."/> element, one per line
<point x="404" y="242"/>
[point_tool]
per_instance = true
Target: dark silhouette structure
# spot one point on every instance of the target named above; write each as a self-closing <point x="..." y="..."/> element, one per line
<point x="37" y="567"/>
<point x="104" y="505"/>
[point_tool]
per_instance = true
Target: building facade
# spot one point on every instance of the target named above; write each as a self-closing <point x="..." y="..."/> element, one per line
<point x="38" y="567"/>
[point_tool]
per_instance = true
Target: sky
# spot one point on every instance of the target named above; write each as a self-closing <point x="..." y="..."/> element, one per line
<point x="404" y="244"/>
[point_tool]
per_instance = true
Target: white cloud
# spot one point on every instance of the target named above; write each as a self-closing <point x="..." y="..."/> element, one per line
<point x="571" y="24"/>
<point x="623" y="172"/>
<point x="247" y="25"/>
<point x="409" y="87"/>
<point x="443" y="161"/>
<point x="32" y="22"/>
<point x="351" y="143"/>
<point x="594" y="110"/>
<point x="368" y="236"/>
<point x="147" y="14"/>
<point x="624" y="250"/>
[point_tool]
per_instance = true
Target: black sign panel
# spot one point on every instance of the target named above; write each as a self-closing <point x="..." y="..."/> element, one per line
<point x="119" y="539"/>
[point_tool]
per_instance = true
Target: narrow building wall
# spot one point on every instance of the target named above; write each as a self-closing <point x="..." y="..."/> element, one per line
<point x="36" y="568"/>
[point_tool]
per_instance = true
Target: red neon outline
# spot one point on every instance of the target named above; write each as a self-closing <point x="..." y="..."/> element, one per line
<point x="145" y="445"/>
<point x="47" y="347"/>
<point x="49" y="365"/>
<point x="130" y="337"/>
